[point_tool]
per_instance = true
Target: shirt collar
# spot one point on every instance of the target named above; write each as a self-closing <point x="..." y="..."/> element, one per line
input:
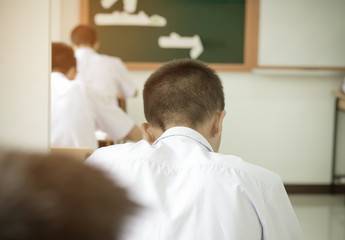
<point x="185" y="132"/>
<point x="83" y="50"/>
<point x="60" y="76"/>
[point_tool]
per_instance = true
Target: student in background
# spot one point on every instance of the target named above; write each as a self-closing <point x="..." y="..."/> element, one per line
<point x="49" y="197"/>
<point x="189" y="190"/>
<point x="100" y="71"/>
<point x="77" y="111"/>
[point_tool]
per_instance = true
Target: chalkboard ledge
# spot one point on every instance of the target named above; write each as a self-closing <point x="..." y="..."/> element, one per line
<point x="216" y="66"/>
<point x="298" y="72"/>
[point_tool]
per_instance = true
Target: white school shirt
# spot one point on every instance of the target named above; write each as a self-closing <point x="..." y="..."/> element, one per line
<point x="189" y="192"/>
<point x="77" y="111"/>
<point x="106" y="73"/>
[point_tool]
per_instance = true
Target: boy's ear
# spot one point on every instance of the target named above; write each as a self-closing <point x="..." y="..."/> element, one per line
<point x="72" y="72"/>
<point x="95" y="46"/>
<point x="218" y="124"/>
<point x="148" y="132"/>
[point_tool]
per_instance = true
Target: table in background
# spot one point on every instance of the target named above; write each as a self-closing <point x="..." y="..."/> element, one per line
<point x="339" y="106"/>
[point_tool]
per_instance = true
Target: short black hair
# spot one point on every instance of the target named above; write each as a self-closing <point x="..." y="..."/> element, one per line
<point x="182" y="91"/>
<point x="53" y="197"/>
<point x="83" y="34"/>
<point x="63" y="58"/>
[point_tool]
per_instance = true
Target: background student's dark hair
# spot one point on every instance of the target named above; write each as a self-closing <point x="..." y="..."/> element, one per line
<point x="183" y="91"/>
<point x="83" y="34"/>
<point x="50" y="197"/>
<point x="62" y="58"/>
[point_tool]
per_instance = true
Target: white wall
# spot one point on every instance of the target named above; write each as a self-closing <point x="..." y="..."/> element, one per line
<point x="302" y="33"/>
<point x="281" y="120"/>
<point x="24" y="74"/>
<point x="65" y="15"/>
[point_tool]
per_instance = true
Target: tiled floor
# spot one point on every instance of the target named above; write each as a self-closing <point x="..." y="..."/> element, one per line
<point x="322" y="217"/>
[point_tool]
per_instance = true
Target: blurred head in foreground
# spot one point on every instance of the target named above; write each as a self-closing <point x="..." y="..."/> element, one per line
<point x="54" y="197"/>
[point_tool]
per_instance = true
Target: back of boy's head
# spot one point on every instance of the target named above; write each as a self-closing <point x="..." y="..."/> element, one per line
<point x="182" y="92"/>
<point x="83" y="35"/>
<point x="54" y="197"/>
<point x="62" y="58"/>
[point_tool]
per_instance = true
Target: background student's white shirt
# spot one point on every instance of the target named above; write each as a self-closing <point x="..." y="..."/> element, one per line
<point x="106" y="73"/>
<point x="190" y="192"/>
<point x="77" y="111"/>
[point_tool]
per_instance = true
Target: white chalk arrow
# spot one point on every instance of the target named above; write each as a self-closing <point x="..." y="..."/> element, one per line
<point x="174" y="40"/>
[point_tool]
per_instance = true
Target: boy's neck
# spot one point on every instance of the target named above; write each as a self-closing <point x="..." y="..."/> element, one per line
<point x="94" y="46"/>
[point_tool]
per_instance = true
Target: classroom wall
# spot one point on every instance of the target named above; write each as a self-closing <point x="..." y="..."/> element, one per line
<point x="64" y="16"/>
<point x="279" y="119"/>
<point x="302" y="33"/>
<point x="24" y="74"/>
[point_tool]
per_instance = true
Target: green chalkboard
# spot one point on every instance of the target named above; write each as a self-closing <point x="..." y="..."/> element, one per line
<point x="219" y="25"/>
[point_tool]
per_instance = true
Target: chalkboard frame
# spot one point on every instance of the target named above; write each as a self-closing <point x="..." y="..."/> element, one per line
<point x="250" y="41"/>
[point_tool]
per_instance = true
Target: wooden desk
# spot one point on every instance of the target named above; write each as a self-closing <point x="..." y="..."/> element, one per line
<point x="105" y="142"/>
<point x="80" y="154"/>
<point x="339" y="106"/>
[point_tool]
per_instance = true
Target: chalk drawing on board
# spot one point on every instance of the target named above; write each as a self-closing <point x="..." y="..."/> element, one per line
<point x="174" y="40"/>
<point x="127" y="17"/>
<point x="129" y="5"/>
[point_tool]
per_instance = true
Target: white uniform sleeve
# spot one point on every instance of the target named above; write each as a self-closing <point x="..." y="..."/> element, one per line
<point x="100" y="160"/>
<point x="109" y="117"/>
<point x="124" y="83"/>
<point x="280" y="219"/>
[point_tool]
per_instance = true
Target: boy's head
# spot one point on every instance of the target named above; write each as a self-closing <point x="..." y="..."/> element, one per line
<point x="63" y="60"/>
<point x="84" y="35"/>
<point x="184" y="93"/>
<point x="54" y="197"/>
